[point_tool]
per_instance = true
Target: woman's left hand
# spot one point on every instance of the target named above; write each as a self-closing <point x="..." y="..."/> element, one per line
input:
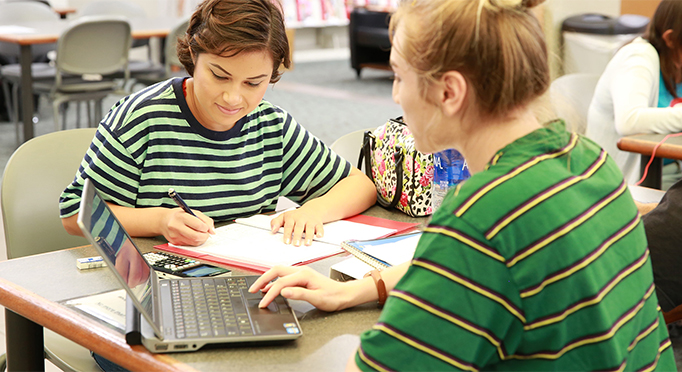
<point x="296" y="223"/>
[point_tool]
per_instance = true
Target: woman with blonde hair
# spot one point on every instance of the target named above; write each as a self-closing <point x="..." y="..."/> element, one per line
<point x="539" y="260"/>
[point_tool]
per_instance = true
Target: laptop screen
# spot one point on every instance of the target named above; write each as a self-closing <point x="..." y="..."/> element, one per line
<point x="105" y="231"/>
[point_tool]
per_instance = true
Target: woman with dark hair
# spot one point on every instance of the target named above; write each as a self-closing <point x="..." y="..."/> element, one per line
<point x="213" y="138"/>
<point x="536" y="262"/>
<point x="635" y="92"/>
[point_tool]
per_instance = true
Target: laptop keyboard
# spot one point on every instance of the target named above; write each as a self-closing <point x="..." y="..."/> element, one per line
<point x="211" y="307"/>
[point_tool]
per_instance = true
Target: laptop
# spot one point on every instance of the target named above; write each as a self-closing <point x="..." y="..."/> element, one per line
<point x="182" y="314"/>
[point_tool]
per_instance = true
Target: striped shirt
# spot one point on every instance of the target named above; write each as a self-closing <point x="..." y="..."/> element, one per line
<point x="150" y="142"/>
<point x="537" y="263"/>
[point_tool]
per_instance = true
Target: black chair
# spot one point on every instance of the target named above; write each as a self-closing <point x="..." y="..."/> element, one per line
<point x="369" y="42"/>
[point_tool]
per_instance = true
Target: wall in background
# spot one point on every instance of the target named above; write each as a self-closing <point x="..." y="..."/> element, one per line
<point x="554" y="12"/>
<point x="641" y="7"/>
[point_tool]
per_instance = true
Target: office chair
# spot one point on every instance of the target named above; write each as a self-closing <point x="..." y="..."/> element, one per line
<point x="10" y="14"/>
<point x="172" y="66"/>
<point x="130" y="10"/>
<point x="570" y="96"/>
<point x="35" y="175"/>
<point x="348" y="146"/>
<point x="89" y="52"/>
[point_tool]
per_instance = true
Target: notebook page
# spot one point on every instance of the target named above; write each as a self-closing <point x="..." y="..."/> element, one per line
<point x="334" y="232"/>
<point x="246" y="244"/>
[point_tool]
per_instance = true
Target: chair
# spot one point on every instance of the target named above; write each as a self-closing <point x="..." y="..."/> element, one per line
<point x="348" y="146"/>
<point x="370" y="44"/>
<point x="90" y="52"/>
<point x="172" y="65"/>
<point x="129" y="10"/>
<point x="571" y="95"/>
<point x="116" y="8"/>
<point x="11" y="13"/>
<point x="35" y="175"/>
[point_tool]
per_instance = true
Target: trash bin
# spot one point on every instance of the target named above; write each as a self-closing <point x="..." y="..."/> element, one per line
<point x="590" y="40"/>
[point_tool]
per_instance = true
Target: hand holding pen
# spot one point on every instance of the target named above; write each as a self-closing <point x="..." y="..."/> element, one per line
<point x="193" y="231"/>
<point x="178" y="200"/>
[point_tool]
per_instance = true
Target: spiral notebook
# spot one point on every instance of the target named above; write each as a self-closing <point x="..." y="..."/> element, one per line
<point x="374" y="254"/>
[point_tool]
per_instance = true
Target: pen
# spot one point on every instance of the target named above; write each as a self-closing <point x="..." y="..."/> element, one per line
<point x="178" y="200"/>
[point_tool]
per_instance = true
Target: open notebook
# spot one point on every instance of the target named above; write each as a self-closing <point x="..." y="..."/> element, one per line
<point x="248" y="243"/>
<point x="374" y="254"/>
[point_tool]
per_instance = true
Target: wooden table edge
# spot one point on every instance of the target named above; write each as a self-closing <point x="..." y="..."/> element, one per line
<point x="645" y="147"/>
<point x="93" y="336"/>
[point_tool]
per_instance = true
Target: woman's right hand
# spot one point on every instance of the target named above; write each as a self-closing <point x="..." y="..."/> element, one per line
<point x="303" y="283"/>
<point x="181" y="228"/>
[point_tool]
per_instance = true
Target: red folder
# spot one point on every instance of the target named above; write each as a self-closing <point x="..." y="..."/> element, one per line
<point x="221" y="260"/>
<point x="400" y="227"/>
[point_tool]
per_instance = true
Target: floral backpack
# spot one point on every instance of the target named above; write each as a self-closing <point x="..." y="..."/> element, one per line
<point x="401" y="174"/>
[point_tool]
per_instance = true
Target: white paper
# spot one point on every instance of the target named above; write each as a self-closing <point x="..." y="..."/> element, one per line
<point x="352" y="267"/>
<point x="334" y="232"/>
<point x="249" y="240"/>
<point x="246" y="244"/>
<point x="284" y="204"/>
<point x="109" y="307"/>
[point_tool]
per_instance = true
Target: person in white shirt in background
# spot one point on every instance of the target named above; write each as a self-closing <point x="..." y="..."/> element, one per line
<point x="637" y="87"/>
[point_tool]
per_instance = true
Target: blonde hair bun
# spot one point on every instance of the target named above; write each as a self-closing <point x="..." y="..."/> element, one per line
<point x="531" y="3"/>
<point x="513" y="4"/>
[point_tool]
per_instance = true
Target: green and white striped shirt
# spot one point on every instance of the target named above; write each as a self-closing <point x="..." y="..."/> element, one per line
<point x="150" y="142"/>
<point x="540" y="262"/>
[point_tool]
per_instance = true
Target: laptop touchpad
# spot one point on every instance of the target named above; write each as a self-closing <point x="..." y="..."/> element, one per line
<point x="253" y="299"/>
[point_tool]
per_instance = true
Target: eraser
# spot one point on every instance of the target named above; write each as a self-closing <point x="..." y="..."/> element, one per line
<point x="90" y="263"/>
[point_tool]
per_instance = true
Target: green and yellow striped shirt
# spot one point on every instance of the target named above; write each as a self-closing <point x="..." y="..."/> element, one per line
<point x="540" y="262"/>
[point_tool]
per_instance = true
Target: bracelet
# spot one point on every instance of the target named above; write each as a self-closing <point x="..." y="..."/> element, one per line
<point x="381" y="287"/>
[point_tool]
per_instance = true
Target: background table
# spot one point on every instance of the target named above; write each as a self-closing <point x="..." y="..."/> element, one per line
<point x="644" y="144"/>
<point x="48" y="32"/>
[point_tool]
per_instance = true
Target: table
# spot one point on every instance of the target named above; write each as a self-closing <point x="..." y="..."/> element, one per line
<point x="64" y="11"/>
<point x="48" y="32"/>
<point x="644" y="144"/>
<point x="30" y="297"/>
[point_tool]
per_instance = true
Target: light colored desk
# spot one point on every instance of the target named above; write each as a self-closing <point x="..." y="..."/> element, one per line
<point x="644" y="144"/>
<point x="48" y="32"/>
<point x="31" y="286"/>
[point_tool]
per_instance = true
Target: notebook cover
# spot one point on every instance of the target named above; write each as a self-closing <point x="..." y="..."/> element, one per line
<point x="400" y="227"/>
<point x="225" y="261"/>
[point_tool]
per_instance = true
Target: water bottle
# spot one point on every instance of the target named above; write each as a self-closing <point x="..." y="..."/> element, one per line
<point x="449" y="169"/>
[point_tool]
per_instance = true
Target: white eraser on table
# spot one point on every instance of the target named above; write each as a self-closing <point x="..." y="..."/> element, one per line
<point x="90" y="262"/>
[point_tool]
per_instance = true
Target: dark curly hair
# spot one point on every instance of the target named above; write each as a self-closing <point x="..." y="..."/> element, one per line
<point x="229" y="27"/>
